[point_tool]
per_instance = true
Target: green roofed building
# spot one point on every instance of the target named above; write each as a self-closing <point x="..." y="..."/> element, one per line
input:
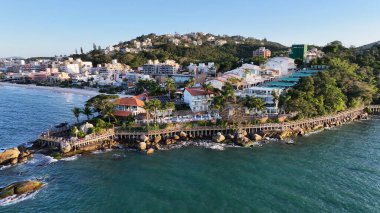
<point x="298" y="52"/>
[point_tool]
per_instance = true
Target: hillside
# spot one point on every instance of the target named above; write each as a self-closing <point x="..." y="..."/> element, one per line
<point x="368" y="46"/>
<point x="226" y="51"/>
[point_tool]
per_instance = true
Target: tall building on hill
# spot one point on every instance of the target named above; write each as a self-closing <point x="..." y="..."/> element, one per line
<point x="298" y="51"/>
<point x="262" y="51"/>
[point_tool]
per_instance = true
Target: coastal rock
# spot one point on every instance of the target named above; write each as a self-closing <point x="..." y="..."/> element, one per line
<point x="150" y="151"/>
<point x="230" y="137"/>
<point x="65" y="148"/>
<point x="8" y="155"/>
<point x="157" y="146"/>
<point x="142" y="146"/>
<point x="318" y="127"/>
<point x="183" y="135"/>
<point x="257" y="137"/>
<point x="144" y="138"/>
<point x="169" y="141"/>
<point x="176" y="137"/>
<point x="13" y="161"/>
<point x="19" y="188"/>
<point x="157" y="139"/>
<point x="284" y="134"/>
<point x="22" y="159"/>
<point x="219" y="137"/>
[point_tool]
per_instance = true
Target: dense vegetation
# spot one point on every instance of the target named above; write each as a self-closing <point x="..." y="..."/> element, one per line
<point x="352" y="80"/>
<point x="237" y="50"/>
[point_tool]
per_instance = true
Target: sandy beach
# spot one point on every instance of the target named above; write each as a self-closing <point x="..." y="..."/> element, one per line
<point x="86" y="92"/>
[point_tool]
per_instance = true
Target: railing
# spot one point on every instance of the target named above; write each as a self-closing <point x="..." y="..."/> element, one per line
<point x="278" y="126"/>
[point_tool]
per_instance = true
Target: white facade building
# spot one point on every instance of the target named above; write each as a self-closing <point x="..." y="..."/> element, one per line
<point x="198" y="99"/>
<point x="283" y="64"/>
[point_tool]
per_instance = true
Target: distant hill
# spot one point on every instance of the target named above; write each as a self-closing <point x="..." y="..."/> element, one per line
<point x="368" y="46"/>
<point x="226" y="51"/>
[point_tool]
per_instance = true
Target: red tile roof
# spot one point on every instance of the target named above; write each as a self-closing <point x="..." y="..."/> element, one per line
<point x="196" y="91"/>
<point x="119" y="113"/>
<point x="131" y="101"/>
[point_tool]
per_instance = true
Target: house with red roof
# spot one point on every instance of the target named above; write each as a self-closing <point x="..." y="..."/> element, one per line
<point x="198" y="98"/>
<point x="125" y="107"/>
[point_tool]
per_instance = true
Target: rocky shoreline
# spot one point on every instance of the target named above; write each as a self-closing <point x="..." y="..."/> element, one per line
<point x="148" y="146"/>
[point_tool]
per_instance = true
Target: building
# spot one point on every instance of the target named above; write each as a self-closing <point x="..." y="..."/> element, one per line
<point x="298" y="52"/>
<point x="284" y="65"/>
<point x="263" y="52"/>
<point x="265" y="93"/>
<point x="169" y="67"/>
<point x="313" y="54"/>
<point x="208" y="68"/>
<point x="125" y="107"/>
<point x="198" y="99"/>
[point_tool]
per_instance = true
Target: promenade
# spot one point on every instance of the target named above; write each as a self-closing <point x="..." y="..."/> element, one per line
<point x="206" y="131"/>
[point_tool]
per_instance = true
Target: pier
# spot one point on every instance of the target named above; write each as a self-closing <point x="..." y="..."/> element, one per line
<point x="49" y="140"/>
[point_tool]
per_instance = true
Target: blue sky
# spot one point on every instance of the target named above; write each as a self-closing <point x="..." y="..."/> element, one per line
<point x="55" y="27"/>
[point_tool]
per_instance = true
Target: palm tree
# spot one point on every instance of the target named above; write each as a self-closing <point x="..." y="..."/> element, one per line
<point x="276" y="97"/>
<point x="170" y="85"/>
<point x="87" y="111"/>
<point x="76" y="111"/>
<point x="107" y="111"/>
<point x="235" y="81"/>
<point x="156" y="104"/>
<point x="190" y="82"/>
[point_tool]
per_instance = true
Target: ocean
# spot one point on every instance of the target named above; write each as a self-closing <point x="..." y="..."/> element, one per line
<point x="337" y="170"/>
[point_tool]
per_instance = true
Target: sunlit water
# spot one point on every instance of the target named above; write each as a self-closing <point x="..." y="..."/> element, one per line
<point x="337" y="170"/>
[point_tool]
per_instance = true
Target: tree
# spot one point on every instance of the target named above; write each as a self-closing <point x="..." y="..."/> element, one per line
<point x="81" y="50"/>
<point x="170" y="86"/>
<point x="254" y="103"/>
<point x="276" y="97"/>
<point x="87" y="111"/>
<point x="153" y="105"/>
<point x="190" y="82"/>
<point x="107" y="111"/>
<point x="76" y="111"/>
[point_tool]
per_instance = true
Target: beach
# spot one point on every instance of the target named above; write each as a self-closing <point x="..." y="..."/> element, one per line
<point x="86" y="92"/>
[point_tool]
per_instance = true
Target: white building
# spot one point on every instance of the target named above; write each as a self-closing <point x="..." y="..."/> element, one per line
<point x="265" y="93"/>
<point x="283" y="64"/>
<point x="208" y="68"/>
<point x="198" y="99"/>
<point x="169" y="67"/>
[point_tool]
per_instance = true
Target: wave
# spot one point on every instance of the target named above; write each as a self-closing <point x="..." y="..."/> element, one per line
<point x="5" y="167"/>
<point x="101" y="151"/>
<point x="72" y="158"/>
<point x="316" y="132"/>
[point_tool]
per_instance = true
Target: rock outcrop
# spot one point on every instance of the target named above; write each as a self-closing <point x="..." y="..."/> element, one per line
<point x="183" y="135"/>
<point x="20" y="188"/>
<point x="157" y="139"/>
<point x="9" y="155"/>
<point x="142" y="146"/>
<point x="219" y="137"/>
<point x="150" y="151"/>
<point x="257" y="137"/>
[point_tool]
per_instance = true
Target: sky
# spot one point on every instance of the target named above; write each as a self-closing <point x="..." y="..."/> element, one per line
<point x="58" y="27"/>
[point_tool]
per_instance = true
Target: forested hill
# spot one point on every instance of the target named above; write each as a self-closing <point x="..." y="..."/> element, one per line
<point x="225" y="51"/>
<point x="352" y="80"/>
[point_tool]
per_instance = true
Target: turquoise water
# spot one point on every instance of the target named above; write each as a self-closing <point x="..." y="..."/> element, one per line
<point x="334" y="171"/>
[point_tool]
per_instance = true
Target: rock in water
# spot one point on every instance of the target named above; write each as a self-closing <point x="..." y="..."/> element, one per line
<point x="183" y="135"/>
<point x="219" y="137"/>
<point x="176" y="137"/>
<point x="157" y="139"/>
<point x="8" y="155"/>
<point x="257" y="137"/>
<point x="150" y="151"/>
<point x="20" y="188"/>
<point x="142" y="146"/>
